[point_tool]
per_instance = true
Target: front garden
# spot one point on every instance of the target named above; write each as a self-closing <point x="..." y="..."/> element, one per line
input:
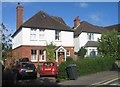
<point x="86" y="66"/>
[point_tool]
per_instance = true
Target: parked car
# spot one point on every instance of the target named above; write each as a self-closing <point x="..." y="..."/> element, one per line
<point x="49" y="69"/>
<point x="26" y="71"/>
<point x="24" y="59"/>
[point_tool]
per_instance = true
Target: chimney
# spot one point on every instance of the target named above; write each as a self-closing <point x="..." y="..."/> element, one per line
<point x="19" y="18"/>
<point x="76" y="22"/>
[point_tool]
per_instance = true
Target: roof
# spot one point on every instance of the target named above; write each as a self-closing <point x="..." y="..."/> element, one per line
<point x="115" y="26"/>
<point x="89" y="28"/>
<point x="92" y="44"/>
<point x="45" y="21"/>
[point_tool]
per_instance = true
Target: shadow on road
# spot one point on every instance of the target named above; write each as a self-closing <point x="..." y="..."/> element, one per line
<point x="44" y="82"/>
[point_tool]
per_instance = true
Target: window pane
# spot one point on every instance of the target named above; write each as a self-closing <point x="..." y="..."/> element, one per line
<point x="57" y="35"/>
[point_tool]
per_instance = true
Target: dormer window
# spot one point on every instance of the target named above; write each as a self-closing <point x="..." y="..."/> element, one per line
<point x="57" y="35"/>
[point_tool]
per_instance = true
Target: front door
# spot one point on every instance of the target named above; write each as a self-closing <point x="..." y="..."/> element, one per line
<point x="60" y="57"/>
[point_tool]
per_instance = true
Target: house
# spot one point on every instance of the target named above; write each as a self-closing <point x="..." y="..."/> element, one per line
<point x="115" y="26"/>
<point x="31" y="37"/>
<point x="86" y="35"/>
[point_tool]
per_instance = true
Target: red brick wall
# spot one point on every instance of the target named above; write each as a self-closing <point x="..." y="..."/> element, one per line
<point x="25" y="51"/>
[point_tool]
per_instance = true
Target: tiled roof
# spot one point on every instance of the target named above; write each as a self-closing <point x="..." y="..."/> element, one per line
<point x="43" y="20"/>
<point x="116" y="27"/>
<point x="89" y="28"/>
<point x="91" y="44"/>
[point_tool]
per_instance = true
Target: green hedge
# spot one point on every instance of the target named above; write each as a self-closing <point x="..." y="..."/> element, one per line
<point x="62" y="74"/>
<point x="86" y="66"/>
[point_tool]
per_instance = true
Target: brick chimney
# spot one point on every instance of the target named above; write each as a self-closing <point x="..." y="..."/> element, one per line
<point x="19" y="15"/>
<point x="76" y="22"/>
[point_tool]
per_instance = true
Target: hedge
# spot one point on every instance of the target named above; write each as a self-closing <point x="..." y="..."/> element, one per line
<point x="86" y="66"/>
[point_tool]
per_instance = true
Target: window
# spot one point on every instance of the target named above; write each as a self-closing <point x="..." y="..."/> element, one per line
<point x="41" y="34"/>
<point x="68" y="53"/>
<point x="92" y="53"/>
<point x="33" y="34"/>
<point x="33" y="55"/>
<point x="90" y="36"/>
<point x="42" y="55"/>
<point x="57" y="35"/>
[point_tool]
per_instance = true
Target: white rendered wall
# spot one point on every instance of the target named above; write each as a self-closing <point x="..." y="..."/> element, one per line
<point x="89" y="49"/>
<point x="82" y="39"/>
<point x="23" y="38"/>
<point x="17" y="40"/>
<point x="76" y="44"/>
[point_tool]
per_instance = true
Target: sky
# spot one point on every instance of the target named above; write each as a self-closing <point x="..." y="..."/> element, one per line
<point x="96" y="13"/>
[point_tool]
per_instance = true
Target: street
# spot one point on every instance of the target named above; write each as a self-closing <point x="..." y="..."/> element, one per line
<point x="38" y="81"/>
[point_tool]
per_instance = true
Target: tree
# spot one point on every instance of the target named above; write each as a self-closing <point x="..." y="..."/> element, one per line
<point x="108" y="44"/>
<point x="50" y="52"/>
<point x="5" y="42"/>
<point x="82" y="51"/>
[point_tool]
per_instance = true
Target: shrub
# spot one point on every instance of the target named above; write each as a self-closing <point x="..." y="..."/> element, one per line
<point x="62" y="74"/>
<point x="38" y="68"/>
<point x="87" y="66"/>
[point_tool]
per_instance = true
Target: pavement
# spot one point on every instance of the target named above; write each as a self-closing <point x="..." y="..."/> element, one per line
<point x="92" y="79"/>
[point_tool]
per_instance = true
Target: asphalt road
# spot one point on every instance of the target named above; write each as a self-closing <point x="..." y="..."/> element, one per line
<point x="38" y="81"/>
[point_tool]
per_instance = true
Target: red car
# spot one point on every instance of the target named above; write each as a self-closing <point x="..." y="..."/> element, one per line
<point x="49" y="69"/>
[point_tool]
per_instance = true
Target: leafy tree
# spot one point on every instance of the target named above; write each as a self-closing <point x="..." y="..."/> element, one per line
<point x="82" y="51"/>
<point x="108" y="44"/>
<point x="50" y="52"/>
<point x="5" y="42"/>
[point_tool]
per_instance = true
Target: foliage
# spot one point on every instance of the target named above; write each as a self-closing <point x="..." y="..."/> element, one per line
<point x="82" y="51"/>
<point x="50" y="52"/>
<point x="6" y="42"/>
<point x="87" y="66"/>
<point x="108" y="44"/>
<point x="62" y="74"/>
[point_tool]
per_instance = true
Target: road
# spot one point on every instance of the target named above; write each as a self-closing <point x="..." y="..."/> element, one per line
<point x="38" y="82"/>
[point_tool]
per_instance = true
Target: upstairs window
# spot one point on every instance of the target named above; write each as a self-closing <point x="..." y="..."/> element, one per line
<point x="41" y="34"/>
<point x="57" y="35"/>
<point x="90" y="36"/>
<point x="33" y="34"/>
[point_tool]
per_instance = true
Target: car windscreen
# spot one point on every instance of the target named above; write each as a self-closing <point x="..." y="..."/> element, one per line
<point x="24" y="60"/>
<point x="28" y="66"/>
<point x="48" y="64"/>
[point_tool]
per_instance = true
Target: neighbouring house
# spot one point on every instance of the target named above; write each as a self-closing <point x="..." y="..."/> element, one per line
<point x="86" y="35"/>
<point x="112" y="27"/>
<point x="32" y="36"/>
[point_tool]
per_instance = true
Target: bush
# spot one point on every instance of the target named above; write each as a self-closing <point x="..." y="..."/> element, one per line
<point x="86" y="66"/>
<point x="38" y="68"/>
<point x="62" y="74"/>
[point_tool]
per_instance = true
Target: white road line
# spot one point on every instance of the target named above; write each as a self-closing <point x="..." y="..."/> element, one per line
<point x="110" y="81"/>
<point x="100" y="83"/>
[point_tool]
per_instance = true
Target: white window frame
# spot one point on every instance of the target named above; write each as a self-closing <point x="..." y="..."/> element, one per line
<point x="41" y="34"/>
<point x="33" y="35"/>
<point x="42" y="55"/>
<point x="68" y="53"/>
<point x="57" y="35"/>
<point x="90" y="36"/>
<point x="36" y="56"/>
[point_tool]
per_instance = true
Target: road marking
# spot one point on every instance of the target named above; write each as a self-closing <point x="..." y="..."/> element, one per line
<point x="110" y="81"/>
<point x="100" y="83"/>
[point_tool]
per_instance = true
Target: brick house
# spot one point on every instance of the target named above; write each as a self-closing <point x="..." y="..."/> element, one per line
<point x="32" y="36"/>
